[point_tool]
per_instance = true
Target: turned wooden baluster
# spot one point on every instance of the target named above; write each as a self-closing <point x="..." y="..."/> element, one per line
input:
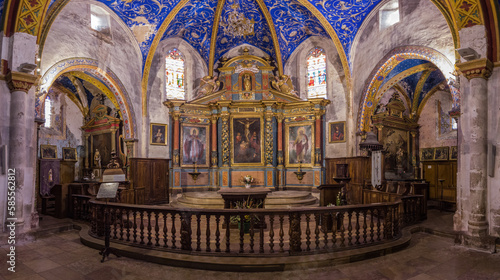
<point x="252" y="232"/>
<point x="208" y="234"/>
<point x="342" y="229"/>
<point x="186" y="231"/>
<point x="349" y="228"/>
<point x="334" y="229"/>
<point x="217" y="234"/>
<point x="378" y="225"/>
<point x="113" y="215"/>
<point x="128" y="225"/>
<point x="141" y="227"/>
<point x="173" y="231"/>
<point x="308" y="232"/>
<point x="282" y="234"/>
<point x="316" y="230"/>
<point x="357" y="229"/>
<point x="261" y="232"/>
<point x="135" y="226"/>
<point x="157" y="229"/>
<point x="364" y="226"/>
<point x="271" y="233"/>
<point x="326" y="217"/>
<point x="198" y="232"/>
<point x="227" y="220"/>
<point x="372" y="212"/>
<point x="165" y="230"/>
<point x="242" y="233"/>
<point x="121" y="224"/>
<point x="149" y="228"/>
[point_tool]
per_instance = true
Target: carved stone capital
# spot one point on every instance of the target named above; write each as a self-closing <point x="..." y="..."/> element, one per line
<point x="18" y="81"/>
<point x="479" y="68"/>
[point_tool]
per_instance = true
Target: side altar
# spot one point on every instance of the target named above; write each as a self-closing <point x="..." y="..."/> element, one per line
<point x="248" y="121"/>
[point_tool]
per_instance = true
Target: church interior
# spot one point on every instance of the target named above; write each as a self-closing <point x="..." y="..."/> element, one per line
<point x="279" y="133"/>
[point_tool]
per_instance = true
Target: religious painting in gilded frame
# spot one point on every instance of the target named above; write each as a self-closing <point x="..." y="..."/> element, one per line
<point x="453" y="153"/>
<point x="337" y="132"/>
<point x="426" y="154"/>
<point x="299" y="144"/>
<point x="48" y="151"/>
<point x="246" y="141"/>
<point x="158" y="133"/>
<point x="441" y="153"/>
<point x="69" y="154"/>
<point x="194" y="145"/>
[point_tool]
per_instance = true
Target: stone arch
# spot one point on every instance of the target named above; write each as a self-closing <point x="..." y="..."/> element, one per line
<point x="91" y="67"/>
<point x="372" y="92"/>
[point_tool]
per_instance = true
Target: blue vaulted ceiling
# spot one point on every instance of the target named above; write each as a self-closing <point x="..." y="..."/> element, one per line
<point x="293" y="22"/>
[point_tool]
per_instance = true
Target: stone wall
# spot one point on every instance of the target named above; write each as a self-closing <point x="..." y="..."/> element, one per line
<point x="430" y="135"/>
<point x="493" y="178"/>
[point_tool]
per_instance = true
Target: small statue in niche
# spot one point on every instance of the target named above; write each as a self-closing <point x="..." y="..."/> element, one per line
<point x="208" y="85"/>
<point x="97" y="158"/>
<point x="247" y="83"/>
<point x="283" y="84"/>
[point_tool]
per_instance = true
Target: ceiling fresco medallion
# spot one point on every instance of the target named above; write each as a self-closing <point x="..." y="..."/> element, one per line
<point x="237" y="24"/>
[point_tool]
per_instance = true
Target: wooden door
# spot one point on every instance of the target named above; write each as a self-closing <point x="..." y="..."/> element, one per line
<point x="430" y="175"/>
<point x="159" y="192"/>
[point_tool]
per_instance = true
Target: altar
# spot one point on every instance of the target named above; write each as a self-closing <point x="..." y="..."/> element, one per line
<point x="248" y="120"/>
<point x="253" y="196"/>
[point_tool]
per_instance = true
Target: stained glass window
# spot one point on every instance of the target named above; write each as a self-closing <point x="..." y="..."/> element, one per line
<point x="316" y="74"/>
<point x="174" y="73"/>
<point x="48" y="112"/>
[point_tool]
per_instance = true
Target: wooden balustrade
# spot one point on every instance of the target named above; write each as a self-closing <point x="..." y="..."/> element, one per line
<point x="271" y="232"/>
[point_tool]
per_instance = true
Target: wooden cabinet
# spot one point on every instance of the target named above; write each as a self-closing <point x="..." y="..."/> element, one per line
<point x="152" y="176"/>
<point x="442" y="178"/>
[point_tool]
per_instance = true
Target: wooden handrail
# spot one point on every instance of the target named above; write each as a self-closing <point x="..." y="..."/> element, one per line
<point x="292" y="231"/>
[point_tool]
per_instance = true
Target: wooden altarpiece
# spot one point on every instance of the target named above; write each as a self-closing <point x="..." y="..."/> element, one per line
<point x="101" y="136"/>
<point x="249" y="121"/>
<point x="399" y="136"/>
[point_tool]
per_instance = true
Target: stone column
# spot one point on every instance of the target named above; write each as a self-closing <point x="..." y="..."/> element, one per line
<point x="130" y="146"/>
<point x="21" y="146"/>
<point x="473" y="148"/>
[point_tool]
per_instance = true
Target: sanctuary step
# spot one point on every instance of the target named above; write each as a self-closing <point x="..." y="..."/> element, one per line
<point x="274" y="200"/>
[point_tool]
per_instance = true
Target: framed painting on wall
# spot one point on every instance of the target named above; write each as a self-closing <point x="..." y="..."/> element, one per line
<point x="453" y="152"/>
<point x="299" y="144"/>
<point x="441" y="153"/>
<point x="246" y="141"/>
<point x="158" y="134"/>
<point x="69" y="154"/>
<point x="426" y="154"/>
<point x="48" y="151"/>
<point x="337" y="132"/>
<point x="194" y="148"/>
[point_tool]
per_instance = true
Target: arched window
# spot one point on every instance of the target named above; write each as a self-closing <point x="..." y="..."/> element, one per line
<point x="389" y="14"/>
<point x="99" y="20"/>
<point x="316" y="74"/>
<point x="48" y="112"/>
<point x="174" y="73"/>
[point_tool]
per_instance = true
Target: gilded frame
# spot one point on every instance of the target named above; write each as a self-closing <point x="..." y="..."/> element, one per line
<point x="340" y="138"/>
<point x="233" y="135"/>
<point x="48" y="151"/>
<point x="441" y="153"/>
<point x="160" y="139"/>
<point x="69" y="154"/>
<point x="426" y="154"/>
<point x="292" y="130"/>
<point x="203" y="131"/>
<point x="453" y="153"/>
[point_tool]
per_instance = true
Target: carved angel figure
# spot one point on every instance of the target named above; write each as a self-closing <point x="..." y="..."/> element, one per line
<point x="208" y="85"/>
<point x="283" y="84"/>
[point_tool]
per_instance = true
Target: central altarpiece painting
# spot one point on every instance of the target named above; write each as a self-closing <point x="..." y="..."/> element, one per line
<point x="248" y="121"/>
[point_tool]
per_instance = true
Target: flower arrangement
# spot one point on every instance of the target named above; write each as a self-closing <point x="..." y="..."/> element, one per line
<point x="246" y="204"/>
<point x="247" y="179"/>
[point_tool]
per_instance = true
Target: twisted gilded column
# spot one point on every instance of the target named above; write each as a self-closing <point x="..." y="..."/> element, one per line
<point x="225" y="138"/>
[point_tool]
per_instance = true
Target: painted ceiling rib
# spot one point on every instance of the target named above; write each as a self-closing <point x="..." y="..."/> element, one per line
<point x="272" y="29"/>
<point x="419" y="87"/>
<point x="213" y="38"/>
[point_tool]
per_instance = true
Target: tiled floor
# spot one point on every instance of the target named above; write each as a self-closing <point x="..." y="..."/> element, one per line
<point x="62" y="256"/>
